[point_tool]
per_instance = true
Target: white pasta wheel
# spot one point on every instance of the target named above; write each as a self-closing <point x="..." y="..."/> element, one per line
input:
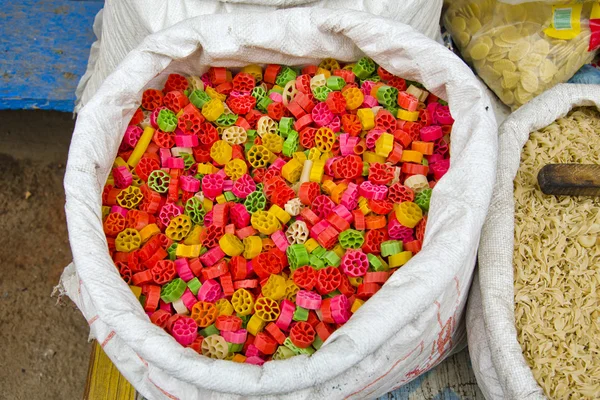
<point x="289" y="92"/>
<point x="266" y="125"/>
<point x="397" y="172"/>
<point x="297" y="233"/>
<point x="178" y="151"/>
<point x="293" y="207"/>
<point x="200" y="196"/>
<point x="215" y="346"/>
<point x="317" y="80"/>
<point x="417" y="183"/>
<point x="146" y="121"/>
<point x="234" y="135"/>
<point x="195" y="83"/>
<point x="179" y="307"/>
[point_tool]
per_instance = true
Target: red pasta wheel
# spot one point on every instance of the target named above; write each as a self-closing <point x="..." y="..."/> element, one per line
<point x="383" y="74"/>
<point x="385" y="120"/>
<point x="243" y="82"/>
<point x="307" y="137"/>
<point x="352" y="167"/>
<point x="165" y="140"/>
<point x="208" y="134"/>
<point x="328" y="279"/>
<point x="252" y="117"/>
<point x="217" y="75"/>
<point x="276" y="111"/>
<point x="366" y="290"/>
<point x="283" y="196"/>
<point x="191" y="119"/>
<point x="346" y="287"/>
<point x="302" y="334"/>
<point x="303" y="83"/>
<point x="175" y="101"/>
<point x="266" y="264"/>
<point x="265" y="343"/>
<point x="305" y="277"/>
<point x="381" y="207"/>
<point x="398" y="83"/>
<point x="145" y="166"/>
<point x="373" y="240"/>
<point x="322" y="206"/>
<point x="201" y="154"/>
<point x="160" y="318"/>
<point x="163" y="272"/>
<point x="137" y="118"/>
<point x="124" y="271"/>
<point x="381" y="174"/>
<point x="210" y="237"/>
<point x="308" y="192"/>
<point x="176" y="82"/>
<point x="224" y="88"/>
<point x="399" y="193"/>
<point x="242" y="104"/>
<point x="336" y="102"/>
<point x="114" y="224"/>
<point x="152" y="99"/>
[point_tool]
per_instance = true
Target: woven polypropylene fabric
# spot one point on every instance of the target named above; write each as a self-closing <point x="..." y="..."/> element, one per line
<point x="408" y="327"/>
<point x="499" y="365"/>
<point x="123" y="24"/>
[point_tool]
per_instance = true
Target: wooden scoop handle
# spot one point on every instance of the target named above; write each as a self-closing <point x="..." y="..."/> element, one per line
<point x="570" y="179"/>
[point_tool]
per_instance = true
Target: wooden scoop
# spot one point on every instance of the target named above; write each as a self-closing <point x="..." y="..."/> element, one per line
<point x="570" y="179"/>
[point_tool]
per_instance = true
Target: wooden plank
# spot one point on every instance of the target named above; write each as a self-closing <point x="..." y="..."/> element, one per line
<point x="570" y="179"/>
<point x="45" y="48"/>
<point x="104" y="381"/>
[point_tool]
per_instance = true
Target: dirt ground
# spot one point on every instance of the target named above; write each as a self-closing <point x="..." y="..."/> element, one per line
<point x="44" y="346"/>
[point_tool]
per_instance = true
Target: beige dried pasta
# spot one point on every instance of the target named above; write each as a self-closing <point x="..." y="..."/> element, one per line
<point x="557" y="263"/>
<point x="500" y="37"/>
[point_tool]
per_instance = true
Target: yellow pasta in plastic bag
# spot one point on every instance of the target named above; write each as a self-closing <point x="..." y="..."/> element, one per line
<point x="521" y="49"/>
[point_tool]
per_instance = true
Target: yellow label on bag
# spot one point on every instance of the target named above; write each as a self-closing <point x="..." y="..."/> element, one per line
<point x="565" y="23"/>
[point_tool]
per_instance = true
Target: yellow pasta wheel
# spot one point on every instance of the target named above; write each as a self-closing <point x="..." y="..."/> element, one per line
<point x="179" y="227"/>
<point x="128" y="240"/>
<point x="213" y="109"/>
<point x="252" y="247"/>
<point x="242" y="302"/>
<point x="265" y="222"/>
<point x="221" y="152"/>
<point x="275" y="287"/>
<point x="273" y="142"/>
<point x="354" y="98"/>
<point x="409" y="214"/>
<point x="259" y="156"/>
<point x="324" y="139"/>
<point x="235" y="168"/>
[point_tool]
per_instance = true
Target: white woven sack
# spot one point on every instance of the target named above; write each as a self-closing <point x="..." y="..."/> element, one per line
<point x="123" y="24"/>
<point x="409" y="326"/>
<point x="498" y="363"/>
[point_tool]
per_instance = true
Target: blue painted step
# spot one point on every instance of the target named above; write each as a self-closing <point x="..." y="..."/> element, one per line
<point x="44" y="48"/>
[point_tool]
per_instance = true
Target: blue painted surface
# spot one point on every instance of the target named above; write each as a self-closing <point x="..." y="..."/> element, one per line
<point x="44" y="48"/>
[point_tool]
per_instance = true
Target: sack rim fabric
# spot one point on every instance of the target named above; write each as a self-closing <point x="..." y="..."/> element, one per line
<point x="124" y="24"/>
<point x="496" y="277"/>
<point x="474" y="151"/>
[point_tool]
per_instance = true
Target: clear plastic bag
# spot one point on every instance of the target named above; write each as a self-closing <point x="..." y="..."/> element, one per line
<point x="521" y="50"/>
